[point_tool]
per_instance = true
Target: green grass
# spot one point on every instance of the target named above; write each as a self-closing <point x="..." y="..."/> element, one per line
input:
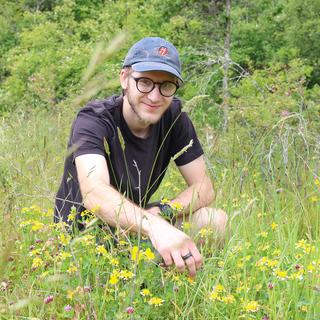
<point x="268" y="269"/>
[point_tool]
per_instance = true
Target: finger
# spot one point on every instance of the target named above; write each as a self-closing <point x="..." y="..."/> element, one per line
<point x="178" y="261"/>
<point x="196" y="255"/>
<point x="190" y="262"/>
<point x="167" y="259"/>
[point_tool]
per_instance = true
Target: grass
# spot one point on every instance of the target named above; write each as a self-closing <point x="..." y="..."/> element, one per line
<point x="268" y="269"/>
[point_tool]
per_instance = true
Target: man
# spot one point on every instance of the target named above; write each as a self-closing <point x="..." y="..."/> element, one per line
<point x="121" y="149"/>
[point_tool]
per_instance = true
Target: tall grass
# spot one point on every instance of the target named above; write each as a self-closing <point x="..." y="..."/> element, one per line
<point x="268" y="269"/>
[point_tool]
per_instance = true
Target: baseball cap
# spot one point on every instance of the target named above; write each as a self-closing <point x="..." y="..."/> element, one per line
<point x="154" y="54"/>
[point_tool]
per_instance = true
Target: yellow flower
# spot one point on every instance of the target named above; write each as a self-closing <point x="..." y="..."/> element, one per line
<point x="203" y="232"/>
<point x="37" y="225"/>
<point x="263" y="234"/>
<point x="219" y="288"/>
<point x="113" y="279"/>
<point x="126" y="274"/>
<point x="272" y="263"/>
<point x="136" y="254"/>
<point x="311" y="268"/>
<point x="64" y="239"/>
<point x="101" y="250"/>
<point x="155" y="301"/>
<point x="281" y="275"/>
<point x="220" y="264"/>
<point x="317" y="182"/>
<point x="274" y="226"/>
<point x="214" y="295"/>
<point x="251" y="306"/>
<point x="72" y="269"/>
<point x="304" y="308"/>
<point x="177" y="206"/>
<point x="149" y="254"/>
<point x="34" y="252"/>
<point x="191" y="280"/>
<point x="145" y="292"/>
<point x="70" y="294"/>
<point x="165" y="201"/>
<point x="276" y="252"/>
<point x="228" y="299"/>
<point x="114" y="262"/>
<point x="64" y="255"/>
<point x="314" y="199"/>
<point x="37" y="262"/>
<point x="186" y="226"/>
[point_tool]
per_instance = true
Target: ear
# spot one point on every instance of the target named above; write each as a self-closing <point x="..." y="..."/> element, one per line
<point x="124" y="78"/>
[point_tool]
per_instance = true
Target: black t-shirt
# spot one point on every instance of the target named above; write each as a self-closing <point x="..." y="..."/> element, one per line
<point x="136" y="166"/>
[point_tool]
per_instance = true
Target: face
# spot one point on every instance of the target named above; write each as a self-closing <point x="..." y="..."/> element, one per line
<point x="143" y="109"/>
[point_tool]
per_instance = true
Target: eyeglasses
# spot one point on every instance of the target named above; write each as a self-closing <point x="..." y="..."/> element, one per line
<point x="146" y="85"/>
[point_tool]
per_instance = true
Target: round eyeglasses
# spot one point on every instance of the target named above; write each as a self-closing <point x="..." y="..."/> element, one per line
<point x="146" y="85"/>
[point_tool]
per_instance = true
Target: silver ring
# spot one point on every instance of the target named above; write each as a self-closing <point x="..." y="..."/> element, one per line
<point x="187" y="256"/>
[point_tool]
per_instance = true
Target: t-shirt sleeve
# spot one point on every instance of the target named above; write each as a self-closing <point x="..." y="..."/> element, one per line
<point x="88" y="134"/>
<point x="186" y="146"/>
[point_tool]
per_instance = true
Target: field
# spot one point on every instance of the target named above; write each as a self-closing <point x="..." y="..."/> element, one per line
<point x="268" y="268"/>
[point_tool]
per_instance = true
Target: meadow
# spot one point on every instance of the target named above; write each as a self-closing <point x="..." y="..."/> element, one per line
<point x="268" y="267"/>
<point x="255" y="68"/>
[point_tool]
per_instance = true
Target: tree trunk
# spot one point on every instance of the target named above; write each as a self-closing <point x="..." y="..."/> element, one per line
<point x="226" y="62"/>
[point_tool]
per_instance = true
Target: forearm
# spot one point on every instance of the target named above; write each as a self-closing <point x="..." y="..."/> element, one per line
<point x="196" y="196"/>
<point x="115" y="209"/>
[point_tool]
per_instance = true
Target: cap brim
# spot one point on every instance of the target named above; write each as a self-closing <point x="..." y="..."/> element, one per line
<point x="155" y="66"/>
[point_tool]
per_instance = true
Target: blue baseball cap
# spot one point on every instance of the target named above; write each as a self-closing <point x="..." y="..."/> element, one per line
<point x="154" y="54"/>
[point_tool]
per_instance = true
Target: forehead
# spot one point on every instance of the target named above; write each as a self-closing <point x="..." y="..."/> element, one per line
<point x="155" y="75"/>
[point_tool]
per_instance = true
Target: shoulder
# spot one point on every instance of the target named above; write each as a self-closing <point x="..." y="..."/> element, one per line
<point x="102" y="108"/>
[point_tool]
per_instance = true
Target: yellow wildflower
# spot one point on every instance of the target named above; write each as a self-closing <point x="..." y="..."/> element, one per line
<point x="145" y="292"/>
<point x="314" y="199"/>
<point x="70" y="294"/>
<point x="214" y="295"/>
<point x="64" y="239"/>
<point x="228" y="299"/>
<point x="64" y="255"/>
<point x="149" y="254"/>
<point x="114" y="262"/>
<point x="274" y="226"/>
<point x="72" y="269"/>
<point x="126" y="274"/>
<point x="177" y="206"/>
<point x="263" y="234"/>
<point x="101" y="250"/>
<point x="251" y="306"/>
<point x="136" y="254"/>
<point x="37" y="262"/>
<point x="281" y="275"/>
<point x="37" y="225"/>
<point x="113" y="279"/>
<point x="304" y="308"/>
<point x="155" y="301"/>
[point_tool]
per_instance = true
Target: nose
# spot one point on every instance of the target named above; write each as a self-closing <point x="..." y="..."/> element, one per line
<point x="155" y="94"/>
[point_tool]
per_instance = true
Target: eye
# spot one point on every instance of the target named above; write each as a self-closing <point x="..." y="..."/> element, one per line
<point x="167" y="85"/>
<point x="145" y="82"/>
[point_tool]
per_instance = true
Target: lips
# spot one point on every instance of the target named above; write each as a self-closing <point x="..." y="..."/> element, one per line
<point x="151" y="106"/>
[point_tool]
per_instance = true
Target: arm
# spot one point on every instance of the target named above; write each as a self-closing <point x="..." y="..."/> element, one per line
<point x="200" y="191"/>
<point x="115" y="209"/>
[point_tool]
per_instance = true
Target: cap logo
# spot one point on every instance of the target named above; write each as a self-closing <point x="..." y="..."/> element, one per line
<point x="163" y="51"/>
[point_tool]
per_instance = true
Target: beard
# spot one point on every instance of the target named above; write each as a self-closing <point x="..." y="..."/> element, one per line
<point x="134" y="109"/>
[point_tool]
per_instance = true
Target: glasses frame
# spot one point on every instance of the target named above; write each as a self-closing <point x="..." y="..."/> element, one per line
<point x="137" y="79"/>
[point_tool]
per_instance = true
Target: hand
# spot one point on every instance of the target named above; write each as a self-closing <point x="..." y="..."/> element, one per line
<point x="154" y="210"/>
<point x="172" y="244"/>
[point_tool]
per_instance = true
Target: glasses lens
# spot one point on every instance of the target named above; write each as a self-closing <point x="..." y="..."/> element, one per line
<point x="168" y="88"/>
<point x="145" y="85"/>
